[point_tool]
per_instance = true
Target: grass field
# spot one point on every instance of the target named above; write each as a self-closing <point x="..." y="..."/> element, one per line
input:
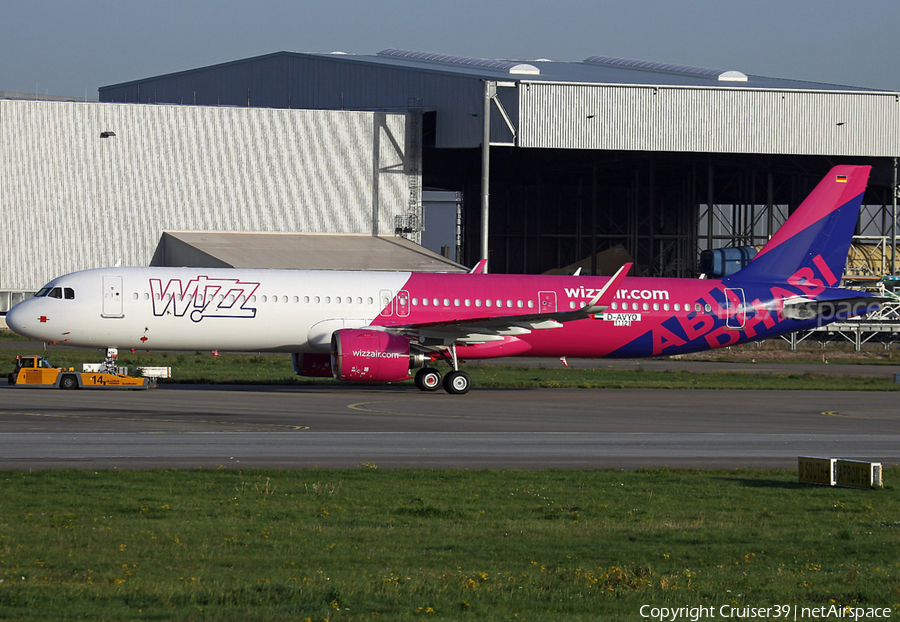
<point x="191" y="367"/>
<point x="435" y="545"/>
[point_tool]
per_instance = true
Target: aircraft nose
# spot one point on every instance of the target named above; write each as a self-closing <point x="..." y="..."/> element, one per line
<point x="14" y="318"/>
<point x="17" y="319"/>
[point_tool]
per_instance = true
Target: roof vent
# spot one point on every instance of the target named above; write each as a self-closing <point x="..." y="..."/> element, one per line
<point x="732" y="76"/>
<point x="685" y="70"/>
<point x="443" y="59"/>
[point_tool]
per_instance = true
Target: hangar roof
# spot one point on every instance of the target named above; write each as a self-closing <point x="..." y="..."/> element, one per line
<point x="302" y="251"/>
<point x="592" y="70"/>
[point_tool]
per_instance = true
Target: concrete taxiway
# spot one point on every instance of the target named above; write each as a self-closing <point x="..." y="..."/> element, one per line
<point x="251" y="426"/>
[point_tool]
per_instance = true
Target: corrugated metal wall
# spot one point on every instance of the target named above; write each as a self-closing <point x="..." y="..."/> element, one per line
<point x="70" y="200"/>
<point x="639" y="118"/>
<point x="320" y="82"/>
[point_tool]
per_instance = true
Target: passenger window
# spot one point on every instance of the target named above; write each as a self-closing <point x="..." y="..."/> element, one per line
<point x="338" y="300"/>
<point x="424" y="302"/>
<point x="531" y="304"/>
<point x="656" y="306"/>
<point x="135" y="295"/>
<point x="708" y="308"/>
<point x="371" y="300"/>
<point x="488" y="302"/>
<point x="665" y="306"/>
<point x="456" y="302"/>
<point x="520" y="304"/>
<point x="677" y="307"/>
<point x="624" y="306"/>
<point x="446" y="302"/>
<point x="615" y="306"/>
<point x="468" y="302"/>
<point x="359" y="300"/>
<point x="646" y="306"/>
<point x="478" y="302"/>
<point x="328" y="300"/>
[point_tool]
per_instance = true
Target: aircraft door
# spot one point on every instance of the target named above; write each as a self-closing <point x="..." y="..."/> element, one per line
<point x="112" y="297"/>
<point x="547" y="301"/>
<point x="387" y="302"/>
<point x="403" y="303"/>
<point x="735" y="316"/>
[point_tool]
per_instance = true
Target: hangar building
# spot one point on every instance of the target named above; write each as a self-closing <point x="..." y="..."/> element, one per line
<point x="663" y="160"/>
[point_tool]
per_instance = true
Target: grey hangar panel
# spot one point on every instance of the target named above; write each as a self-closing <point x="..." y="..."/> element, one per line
<point x="71" y="200"/>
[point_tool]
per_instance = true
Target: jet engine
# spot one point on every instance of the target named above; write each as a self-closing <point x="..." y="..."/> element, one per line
<point x="360" y="354"/>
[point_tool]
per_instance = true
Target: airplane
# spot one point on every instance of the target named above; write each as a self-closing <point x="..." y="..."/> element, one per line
<point x="386" y="327"/>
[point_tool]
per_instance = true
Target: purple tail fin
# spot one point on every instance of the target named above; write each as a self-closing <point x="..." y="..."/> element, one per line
<point x="814" y="242"/>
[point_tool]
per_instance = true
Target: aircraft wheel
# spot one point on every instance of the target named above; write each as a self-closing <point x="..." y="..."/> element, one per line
<point x="457" y="383"/>
<point x="428" y="379"/>
<point x="68" y="382"/>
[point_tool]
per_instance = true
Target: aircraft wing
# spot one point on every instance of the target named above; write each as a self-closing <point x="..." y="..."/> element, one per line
<point x="486" y="329"/>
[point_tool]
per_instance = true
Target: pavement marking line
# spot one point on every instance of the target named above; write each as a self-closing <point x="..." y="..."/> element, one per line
<point x="364" y="407"/>
<point x="839" y="414"/>
<point x="252" y="427"/>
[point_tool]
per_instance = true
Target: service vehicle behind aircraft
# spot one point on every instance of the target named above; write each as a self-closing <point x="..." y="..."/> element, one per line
<point x="390" y="326"/>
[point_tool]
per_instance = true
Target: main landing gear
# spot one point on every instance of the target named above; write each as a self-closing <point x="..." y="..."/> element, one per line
<point x="428" y="379"/>
<point x="456" y="382"/>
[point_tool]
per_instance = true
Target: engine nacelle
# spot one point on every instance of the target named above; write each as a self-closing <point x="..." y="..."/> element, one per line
<point x="314" y="365"/>
<point x="360" y="354"/>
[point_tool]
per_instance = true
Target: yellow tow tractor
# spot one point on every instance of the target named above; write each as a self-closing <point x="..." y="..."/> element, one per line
<point x="37" y="372"/>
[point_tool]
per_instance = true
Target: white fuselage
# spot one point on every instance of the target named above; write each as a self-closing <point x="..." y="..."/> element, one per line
<point x="191" y="308"/>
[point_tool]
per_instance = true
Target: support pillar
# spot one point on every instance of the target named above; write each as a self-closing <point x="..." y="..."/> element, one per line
<point x="894" y="225"/>
<point x="490" y="88"/>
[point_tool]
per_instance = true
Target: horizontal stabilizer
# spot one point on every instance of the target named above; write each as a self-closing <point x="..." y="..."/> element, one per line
<point x="806" y="309"/>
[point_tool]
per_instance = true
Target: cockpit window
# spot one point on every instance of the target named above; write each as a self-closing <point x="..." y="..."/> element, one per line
<point x="56" y="292"/>
<point x="44" y="291"/>
<point x="69" y="293"/>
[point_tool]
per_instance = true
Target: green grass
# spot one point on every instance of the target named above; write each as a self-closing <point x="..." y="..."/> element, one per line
<point x="368" y="544"/>
<point x="276" y="369"/>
